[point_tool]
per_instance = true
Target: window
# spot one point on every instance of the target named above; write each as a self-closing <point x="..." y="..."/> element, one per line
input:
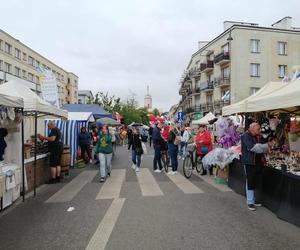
<point x="7" y="67"/>
<point x="225" y="48"/>
<point x="282" y="48"/>
<point x="255" y="70"/>
<point x="24" y="57"/>
<point x="255" y="46"/>
<point x="8" y="48"/>
<point x="254" y="90"/>
<point x="282" y="71"/>
<point x="24" y="74"/>
<point x="17" y="71"/>
<point x="68" y="80"/>
<point x="30" y="77"/>
<point x="18" y="53"/>
<point x="1" y="65"/>
<point x="37" y="63"/>
<point x="30" y="60"/>
<point x="225" y="73"/>
<point x="209" y="98"/>
<point x="1" y="44"/>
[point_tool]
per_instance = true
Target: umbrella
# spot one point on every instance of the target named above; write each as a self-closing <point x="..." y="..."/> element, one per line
<point x="108" y="121"/>
<point x="135" y="124"/>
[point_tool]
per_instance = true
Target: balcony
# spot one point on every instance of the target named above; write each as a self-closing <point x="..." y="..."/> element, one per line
<point x="207" y="86"/>
<point x="222" y="58"/>
<point x="195" y="72"/>
<point x="207" y="67"/>
<point x="222" y="82"/>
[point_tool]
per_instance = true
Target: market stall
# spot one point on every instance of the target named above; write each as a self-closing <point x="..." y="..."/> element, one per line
<point x="36" y="107"/>
<point x="12" y="174"/>
<point x="205" y="119"/>
<point x="278" y="114"/>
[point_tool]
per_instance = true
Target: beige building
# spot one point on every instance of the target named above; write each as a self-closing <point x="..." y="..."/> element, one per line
<point x="21" y="62"/>
<point x="237" y="63"/>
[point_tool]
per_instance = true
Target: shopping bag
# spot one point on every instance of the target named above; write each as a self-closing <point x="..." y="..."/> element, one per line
<point x="144" y="148"/>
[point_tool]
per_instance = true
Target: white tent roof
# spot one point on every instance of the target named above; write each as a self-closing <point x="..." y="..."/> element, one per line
<point x="204" y="120"/>
<point x="81" y="116"/>
<point x="11" y="101"/>
<point x="285" y="98"/>
<point x="242" y="106"/>
<point x="32" y="102"/>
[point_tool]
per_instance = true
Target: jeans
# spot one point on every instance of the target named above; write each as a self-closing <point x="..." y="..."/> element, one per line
<point x="173" y="152"/>
<point x="250" y="195"/>
<point x="136" y="159"/>
<point x="157" y="158"/>
<point x="105" y="164"/>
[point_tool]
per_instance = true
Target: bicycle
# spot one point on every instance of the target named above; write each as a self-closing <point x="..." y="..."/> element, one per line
<point x="192" y="161"/>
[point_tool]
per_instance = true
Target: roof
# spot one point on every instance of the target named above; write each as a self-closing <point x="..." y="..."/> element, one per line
<point x="95" y="109"/>
<point x="32" y="102"/>
<point x="81" y="116"/>
<point x="11" y="101"/>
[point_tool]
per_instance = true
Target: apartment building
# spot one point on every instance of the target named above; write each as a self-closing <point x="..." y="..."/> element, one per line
<point x="85" y="96"/>
<point x="237" y="63"/>
<point x="19" y="61"/>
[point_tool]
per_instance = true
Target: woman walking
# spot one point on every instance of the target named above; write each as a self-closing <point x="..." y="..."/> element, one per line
<point x="137" y="149"/>
<point x="104" y="148"/>
<point x="173" y="148"/>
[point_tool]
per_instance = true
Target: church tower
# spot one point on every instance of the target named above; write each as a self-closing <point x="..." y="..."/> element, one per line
<point x="148" y="100"/>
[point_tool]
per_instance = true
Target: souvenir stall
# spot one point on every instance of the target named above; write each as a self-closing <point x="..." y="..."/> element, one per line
<point x="11" y="164"/>
<point x="36" y="167"/>
<point x="278" y="113"/>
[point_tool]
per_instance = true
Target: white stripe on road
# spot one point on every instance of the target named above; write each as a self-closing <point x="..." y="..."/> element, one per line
<point x="148" y="184"/>
<point x="112" y="186"/>
<point x="211" y="180"/>
<point x="184" y="184"/>
<point x="70" y="190"/>
<point x="104" y="230"/>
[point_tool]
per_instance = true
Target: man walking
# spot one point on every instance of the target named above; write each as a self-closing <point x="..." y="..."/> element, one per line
<point x="157" y="142"/>
<point x="84" y="141"/>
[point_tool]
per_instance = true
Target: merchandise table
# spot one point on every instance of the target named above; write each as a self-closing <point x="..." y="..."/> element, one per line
<point x="279" y="192"/>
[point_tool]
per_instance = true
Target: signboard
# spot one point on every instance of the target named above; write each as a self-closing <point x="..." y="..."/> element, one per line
<point x="198" y="116"/>
<point x="49" y="87"/>
<point x="180" y="117"/>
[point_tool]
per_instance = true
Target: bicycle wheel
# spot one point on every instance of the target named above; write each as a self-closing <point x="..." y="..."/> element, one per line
<point x="187" y="167"/>
<point x="199" y="167"/>
<point x="164" y="159"/>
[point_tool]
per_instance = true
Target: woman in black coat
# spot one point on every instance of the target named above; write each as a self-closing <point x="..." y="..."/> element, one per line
<point x="137" y="150"/>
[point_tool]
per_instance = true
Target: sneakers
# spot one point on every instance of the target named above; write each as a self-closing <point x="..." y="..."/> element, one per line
<point x="137" y="169"/>
<point x="102" y="179"/>
<point x="133" y="166"/>
<point x="171" y="173"/>
<point x="251" y="207"/>
<point x="157" y="171"/>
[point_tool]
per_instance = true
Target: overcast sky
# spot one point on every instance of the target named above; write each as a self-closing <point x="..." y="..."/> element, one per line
<point x="121" y="46"/>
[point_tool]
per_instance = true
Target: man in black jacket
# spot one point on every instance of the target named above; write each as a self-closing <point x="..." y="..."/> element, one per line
<point x="157" y="143"/>
<point x="253" y="163"/>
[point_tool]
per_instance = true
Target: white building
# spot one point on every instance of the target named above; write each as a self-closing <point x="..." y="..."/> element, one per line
<point x="148" y="100"/>
<point x="85" y="96"/>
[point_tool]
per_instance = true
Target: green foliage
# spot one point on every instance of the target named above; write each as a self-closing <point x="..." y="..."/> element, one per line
<point x="156" y="112"/>
<point x="109" y="103"/>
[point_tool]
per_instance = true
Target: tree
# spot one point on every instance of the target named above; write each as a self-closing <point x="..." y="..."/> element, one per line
<point x="109" y="103"/>
<point x="156" y="112"/>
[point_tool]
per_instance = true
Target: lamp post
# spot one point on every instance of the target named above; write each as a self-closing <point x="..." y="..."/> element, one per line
<point x="229" y="39"/>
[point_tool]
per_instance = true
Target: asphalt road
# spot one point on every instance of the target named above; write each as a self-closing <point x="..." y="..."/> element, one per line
<point x="143" y="210"/>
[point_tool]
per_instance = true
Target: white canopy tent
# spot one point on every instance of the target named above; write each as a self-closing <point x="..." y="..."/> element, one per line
<point x="242" y="106"/>
<point x="11" y="101"/>
<point x="283" y="99"/>
<point x="204" y="120"/>
<point x="81" y="116"/>
<point x="32" y="102"/>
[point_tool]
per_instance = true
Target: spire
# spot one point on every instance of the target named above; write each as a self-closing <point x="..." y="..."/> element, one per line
<point x="147" y="89"/>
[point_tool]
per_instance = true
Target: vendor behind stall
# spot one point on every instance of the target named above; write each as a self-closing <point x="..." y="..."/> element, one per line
<point x="55" y="149"/>
<point x="253" y="160"/>
<point x="3" y="145"/>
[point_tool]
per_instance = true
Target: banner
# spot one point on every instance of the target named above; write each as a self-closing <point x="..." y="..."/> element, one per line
<point x="49" y="87"/>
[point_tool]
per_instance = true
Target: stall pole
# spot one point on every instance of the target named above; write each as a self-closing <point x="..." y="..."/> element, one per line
<point x="35" y="153"/>
<point x="23" y="165"/>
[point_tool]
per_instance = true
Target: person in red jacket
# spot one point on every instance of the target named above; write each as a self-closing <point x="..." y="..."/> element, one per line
<point x="203" y="142"/>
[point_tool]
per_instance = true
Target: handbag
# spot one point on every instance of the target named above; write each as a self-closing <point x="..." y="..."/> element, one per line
<point x="204" y="149"/>
<point x="144" y="148"/>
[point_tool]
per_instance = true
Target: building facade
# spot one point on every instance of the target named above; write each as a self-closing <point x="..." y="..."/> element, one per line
<point x="236" y="64"/>
<point x="85" y="97"/>
<point x="21" y="62"/>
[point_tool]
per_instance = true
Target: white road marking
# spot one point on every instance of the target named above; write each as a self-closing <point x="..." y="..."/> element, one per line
<point x="184" y="184"/>
<point x="210" y="180"/>
<point x="70" y="190"/>
<point x="104" y="230"/>
<point x="148" y="184"/>
<point x="112" y="186"/>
